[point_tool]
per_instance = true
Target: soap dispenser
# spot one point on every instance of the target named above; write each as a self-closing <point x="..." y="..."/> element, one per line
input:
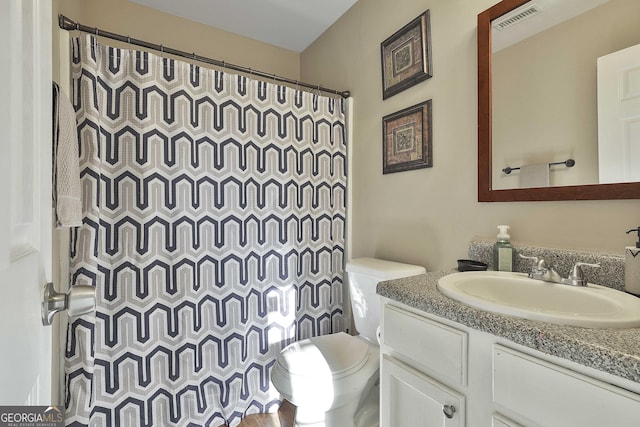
<point x="502" y="250"/>
<point x="632" y="266"/>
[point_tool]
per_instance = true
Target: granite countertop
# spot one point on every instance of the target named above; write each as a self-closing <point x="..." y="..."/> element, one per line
<point x="615" y="351"/>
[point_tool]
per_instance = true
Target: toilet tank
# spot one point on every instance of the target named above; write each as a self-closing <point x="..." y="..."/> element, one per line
<point x="363" y="274"/>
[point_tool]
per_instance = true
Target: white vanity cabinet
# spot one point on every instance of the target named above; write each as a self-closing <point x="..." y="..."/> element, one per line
<point x="420" y="359"/>
<point x="435" y="372"/>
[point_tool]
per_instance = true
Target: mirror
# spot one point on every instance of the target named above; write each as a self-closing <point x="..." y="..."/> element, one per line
<point x="504" y="120"/>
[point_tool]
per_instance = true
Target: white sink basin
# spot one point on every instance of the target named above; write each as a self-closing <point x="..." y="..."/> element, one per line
<point x="515" y="294"/>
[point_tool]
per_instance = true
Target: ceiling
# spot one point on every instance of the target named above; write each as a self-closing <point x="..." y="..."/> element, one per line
<point x="289" y="24"/>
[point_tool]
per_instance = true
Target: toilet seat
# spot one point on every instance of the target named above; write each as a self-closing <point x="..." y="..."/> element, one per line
<point x="340" y="354"/>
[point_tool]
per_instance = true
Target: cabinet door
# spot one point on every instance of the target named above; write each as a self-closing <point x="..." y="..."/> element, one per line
<point x="410" y="398"/>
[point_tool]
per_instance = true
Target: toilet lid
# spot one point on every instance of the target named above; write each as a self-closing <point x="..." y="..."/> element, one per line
<point x="340" y="353"/>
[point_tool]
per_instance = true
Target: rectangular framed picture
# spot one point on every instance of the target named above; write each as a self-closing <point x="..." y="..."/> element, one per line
<point x="406" y="56"/>
<point x="407" y="139"/>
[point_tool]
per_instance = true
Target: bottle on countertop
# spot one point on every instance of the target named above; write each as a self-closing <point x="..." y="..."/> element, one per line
<point x="632" y="266"/>
<point x="503" y="251"/>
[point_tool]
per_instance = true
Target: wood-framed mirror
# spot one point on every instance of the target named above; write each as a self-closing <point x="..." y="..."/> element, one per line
<point x="489" y="190"/>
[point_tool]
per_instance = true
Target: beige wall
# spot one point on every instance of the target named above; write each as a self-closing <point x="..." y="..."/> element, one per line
<point x="140" y="22"/>
<point x="428" y="216"/>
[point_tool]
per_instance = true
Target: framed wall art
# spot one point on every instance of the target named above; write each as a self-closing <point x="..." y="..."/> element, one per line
<point x="406" y="56"/>
<point x="407" y="139"/>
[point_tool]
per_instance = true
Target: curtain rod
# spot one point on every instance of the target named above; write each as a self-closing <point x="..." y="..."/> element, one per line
<point x="69" y="25"/>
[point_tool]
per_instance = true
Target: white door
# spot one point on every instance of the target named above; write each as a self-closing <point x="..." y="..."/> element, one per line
<point x="619" y="116"/>
<point x="25" y="200"/>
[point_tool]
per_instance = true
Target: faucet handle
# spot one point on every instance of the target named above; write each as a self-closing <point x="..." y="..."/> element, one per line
<point x="537" y="264"/>
<point x="576" y="277"/>
<point x="538" y="267"/>
<point x="532" y="258"/>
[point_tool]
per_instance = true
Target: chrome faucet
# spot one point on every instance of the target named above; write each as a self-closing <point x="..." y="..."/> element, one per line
<point x="540" y="271"/>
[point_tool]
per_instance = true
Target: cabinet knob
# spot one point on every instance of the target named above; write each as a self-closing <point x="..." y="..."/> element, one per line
<point x="449" y="410"/>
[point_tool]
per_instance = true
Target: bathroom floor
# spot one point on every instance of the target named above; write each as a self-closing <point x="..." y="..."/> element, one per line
<point x="284" y="418"/>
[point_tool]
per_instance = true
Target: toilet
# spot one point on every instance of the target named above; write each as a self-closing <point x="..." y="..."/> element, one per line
<point x="333" y="379"/>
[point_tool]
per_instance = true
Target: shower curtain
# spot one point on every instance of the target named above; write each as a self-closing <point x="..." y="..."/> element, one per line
<point x="213" y="230"/>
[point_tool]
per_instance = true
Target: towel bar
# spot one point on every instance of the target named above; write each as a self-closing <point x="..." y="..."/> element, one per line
<point x="568" y="163"/>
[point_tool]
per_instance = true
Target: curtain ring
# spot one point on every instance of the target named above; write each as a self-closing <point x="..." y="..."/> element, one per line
<point x="94" y="42"/>
<point x="77" y="26"/>
<point x="192" y="71"/>
<point x="129" y="43"/>
<point x="162" y="51"/>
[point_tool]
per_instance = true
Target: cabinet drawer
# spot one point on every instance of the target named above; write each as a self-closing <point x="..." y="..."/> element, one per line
<point x="549" y="395"/>
<point x="439" y="349"/>
<point x="498" y="420"/>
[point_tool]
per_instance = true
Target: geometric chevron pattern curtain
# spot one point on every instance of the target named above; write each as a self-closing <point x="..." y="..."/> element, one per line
<point x="213" y="230"/>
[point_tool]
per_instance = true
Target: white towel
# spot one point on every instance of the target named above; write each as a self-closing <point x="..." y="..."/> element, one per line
<point x="67" y="191"/>
<point x="532" y="176"/>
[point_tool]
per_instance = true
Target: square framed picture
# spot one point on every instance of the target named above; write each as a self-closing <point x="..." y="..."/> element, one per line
<point x="407" y="139"/>
<point x="406" y="56"/>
